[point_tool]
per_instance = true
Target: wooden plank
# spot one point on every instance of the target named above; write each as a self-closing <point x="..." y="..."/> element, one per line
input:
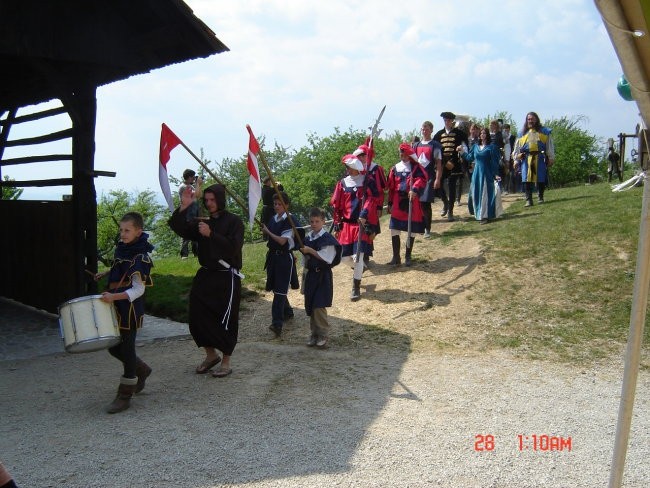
<point x="53" y="182"/>
<point x="35" y="116"/>
<point x="36" y="159"/>
<point x="54" y="136"/>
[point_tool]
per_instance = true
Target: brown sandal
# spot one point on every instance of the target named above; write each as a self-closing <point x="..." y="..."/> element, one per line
<point x="207" y="365"/>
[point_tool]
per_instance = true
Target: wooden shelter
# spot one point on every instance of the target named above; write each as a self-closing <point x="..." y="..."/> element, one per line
<point x="63" y="50"/>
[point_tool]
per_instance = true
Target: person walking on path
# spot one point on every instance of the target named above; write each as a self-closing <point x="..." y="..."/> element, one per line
<point x="406" y="182"/>
<point x="321" y="252"/>
<point x="280" y="263"/>
<point x="535" y="153"/>
<point x="429" y="153"/>
<point x="127" y="278"/>
<point x="354" y="208"/>
<point x="216" y="288"/>
<point x="450" y="138"/>
<point x="485" y="157"/>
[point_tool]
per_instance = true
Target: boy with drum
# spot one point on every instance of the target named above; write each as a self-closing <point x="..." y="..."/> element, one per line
<point x="127" y="278"/>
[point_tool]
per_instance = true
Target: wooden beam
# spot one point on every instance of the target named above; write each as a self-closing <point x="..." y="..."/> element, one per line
<point x="34" y="116"/>
<point x="36" y="159"/>
<point x="53" y="182"/>
<point x="54" y="136"/>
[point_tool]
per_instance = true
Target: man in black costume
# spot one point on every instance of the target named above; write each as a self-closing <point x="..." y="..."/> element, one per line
<point x="216" y="289"/>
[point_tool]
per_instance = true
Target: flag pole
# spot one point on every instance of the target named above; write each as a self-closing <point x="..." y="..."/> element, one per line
<point x="230" y="193"/>
<point x="277" y="190"/>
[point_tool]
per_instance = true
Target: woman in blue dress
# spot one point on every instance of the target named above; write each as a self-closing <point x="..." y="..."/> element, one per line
<point x="482" y="194"/>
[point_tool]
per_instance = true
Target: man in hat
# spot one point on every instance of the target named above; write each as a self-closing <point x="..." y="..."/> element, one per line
<point x="406" y="182"/>
<point x="450" y="138"/>
<point x="354" y="205"/>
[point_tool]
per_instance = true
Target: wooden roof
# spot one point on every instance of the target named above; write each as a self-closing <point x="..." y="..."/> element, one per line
<point x="45" y="44"/>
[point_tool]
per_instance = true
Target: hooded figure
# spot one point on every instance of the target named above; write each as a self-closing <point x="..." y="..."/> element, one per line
<point x="216" y="288"/>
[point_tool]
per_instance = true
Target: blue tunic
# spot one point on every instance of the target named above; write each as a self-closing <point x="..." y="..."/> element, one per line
<point x="280" y="263"/>
<point x="319" y="282"/>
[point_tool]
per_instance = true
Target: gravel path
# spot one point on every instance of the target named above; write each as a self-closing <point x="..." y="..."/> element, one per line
<point x="293" y="416"/>
<point x="381" y="407"/>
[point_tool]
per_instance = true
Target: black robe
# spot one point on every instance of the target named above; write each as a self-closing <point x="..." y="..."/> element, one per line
<point x="216" y="290"/>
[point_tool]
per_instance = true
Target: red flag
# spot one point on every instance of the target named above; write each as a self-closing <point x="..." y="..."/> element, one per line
<point x="168" y="141"/>
<point x="254" y="183"/>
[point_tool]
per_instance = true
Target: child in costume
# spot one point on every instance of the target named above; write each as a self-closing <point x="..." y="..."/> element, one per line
<point x="127" y="278"/>
<point x="321" y="252"/>
<point x="354" y="206"/>
<point x="280" y="263"/>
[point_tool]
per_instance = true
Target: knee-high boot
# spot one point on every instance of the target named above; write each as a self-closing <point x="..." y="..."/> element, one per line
<point x="396" y="246"/>
<point x="124" y="393"/>
<point x="409" y="248"/>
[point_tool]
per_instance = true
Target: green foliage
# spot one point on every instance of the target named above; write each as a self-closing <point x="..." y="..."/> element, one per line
<point x="10" y="193"/>
<point x="113" y="206"/>
<point x="577" y="152"/>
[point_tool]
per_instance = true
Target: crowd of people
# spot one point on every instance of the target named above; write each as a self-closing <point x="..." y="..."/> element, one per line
<point x="430" y="166"/>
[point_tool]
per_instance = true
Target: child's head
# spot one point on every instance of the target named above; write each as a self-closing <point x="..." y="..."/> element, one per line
<point x="189" y="176"/>
<point x="131" y="226"/>
<point x="316" y="219"/>
<point x="277" y="203"/>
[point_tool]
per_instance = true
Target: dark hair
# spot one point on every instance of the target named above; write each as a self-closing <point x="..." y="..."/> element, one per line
<point x="219" y="192"/>
<point x="317" y="212"/>
<point x="537" y="126"/>
<point x="135" y="218"/>
<point x="188" y="173"/>
<point x="285" y="197"/>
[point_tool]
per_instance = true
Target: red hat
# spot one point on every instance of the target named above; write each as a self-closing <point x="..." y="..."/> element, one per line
<point x="406" y="148"/>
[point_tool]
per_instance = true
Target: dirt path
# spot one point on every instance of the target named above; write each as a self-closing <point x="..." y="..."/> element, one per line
<point x="405" y="396"/>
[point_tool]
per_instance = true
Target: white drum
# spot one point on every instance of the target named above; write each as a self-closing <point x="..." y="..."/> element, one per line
<point x="88" y="324"/>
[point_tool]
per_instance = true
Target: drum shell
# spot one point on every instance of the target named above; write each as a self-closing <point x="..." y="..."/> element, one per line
<point x="88" y="324"/>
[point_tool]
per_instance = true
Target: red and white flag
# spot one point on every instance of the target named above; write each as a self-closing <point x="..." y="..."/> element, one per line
<point x="254" y="183"/>
<point x="168" y="141"/>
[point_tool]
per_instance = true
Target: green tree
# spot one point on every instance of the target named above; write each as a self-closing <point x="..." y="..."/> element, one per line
<point x="112" y="206"/>
<point x="577" y="152"/>
<point x="9" y="192"/>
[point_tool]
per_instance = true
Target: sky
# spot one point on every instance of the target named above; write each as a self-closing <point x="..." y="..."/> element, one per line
<point x="300" y="67"/>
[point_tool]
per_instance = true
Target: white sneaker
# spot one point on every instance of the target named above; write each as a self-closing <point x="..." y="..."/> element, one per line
<point x="427" y="234"/>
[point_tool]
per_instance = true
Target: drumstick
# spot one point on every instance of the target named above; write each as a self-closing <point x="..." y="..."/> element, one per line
<point x="90" y="272"/>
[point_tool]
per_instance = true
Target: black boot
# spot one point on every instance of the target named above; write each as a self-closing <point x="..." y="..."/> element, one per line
<point x="396" y="245"/>
<point x="356" y="290"/>
<point x="540" y="192"/>
<point x="407" y="257"/>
